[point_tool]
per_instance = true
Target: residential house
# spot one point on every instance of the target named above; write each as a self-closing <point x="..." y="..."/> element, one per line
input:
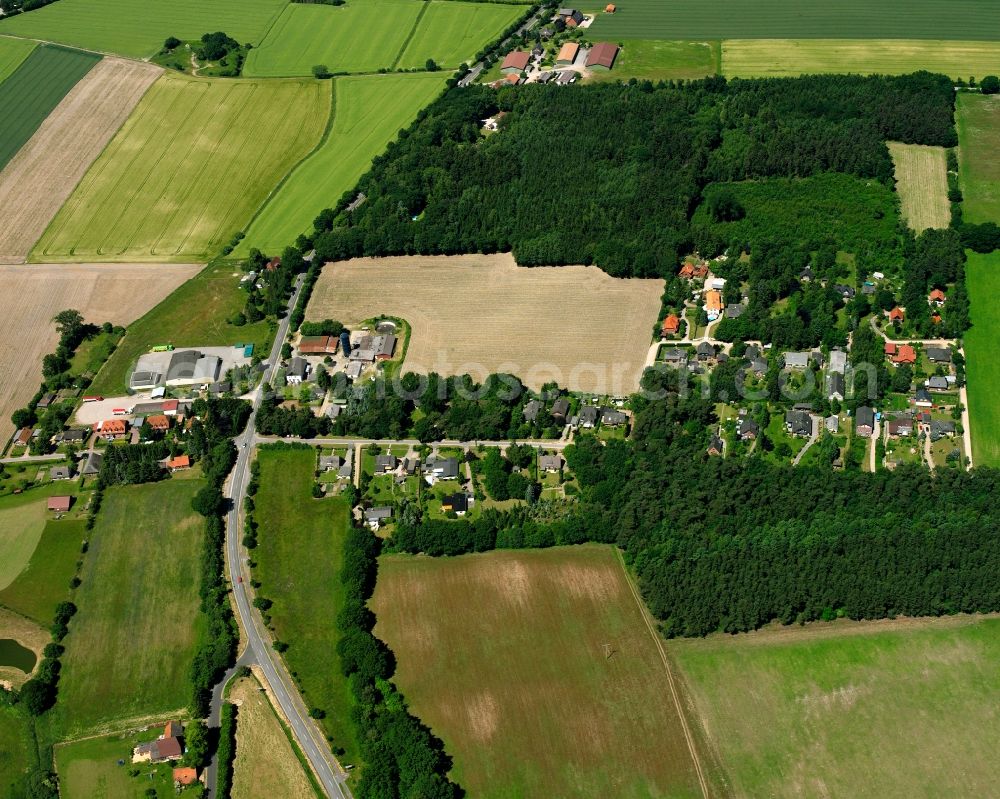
<point x="671" y="325"/>
<point x="166" y="747"/>
<point x="589" y="414"/>
<point x="376" y="517"/>
<point x="178" y="463"/>
<point x="696" y="271"/>
<point x="531" y="410"/>
<point x="385" y="463"/>
<point x="610" y="8"/>
<point x="889" y="348"/>
<point x="832" y="423"/>
<point x="515" y="62"/>
<point x="410" y="465"/>
<point x="735" y="311"/>
<point x="796" y="360"/>
<point x="347" y="467"/>
<point x="938" y="383"/>
<point x="550" y="463"/>
<point x="60" y="473"/>
<point x="59" y="504"/>
<point x="937" y="298"/>
<point x="220" y="387"/>
<point x="798" y="423"/>
<point x="844" y="291"/>
<point x="941" y="428"/>
<point x="705" y="351"/>
<point x="806" y="274"/>
<point x="559" y="410"/>
<point x="675" y="357"/>
<point x="838" y="361"/>
<point x="716" y="445"/>
<point x="837" y="389"/>
<point x="45" y="400"/>
<point x="442" y="469"/>
<point x="333" y="410"/>
<point x="897" y="314"/>
<point x="329" y="463"/>
<point x="455" y="503"/>
<point x="904" y="354"/>
<point x="900" y="426"/>
<point x="747" y="428"/>
<point x="111" y="429"/>
<point x="160" y="423"/>
<point x="173" y="407"/>
<point x="922" y="398"/>
<point x="864" y="421"/>
<point x="568" y="53"/>
<point x="570" y="16"/>
<point x="602" y="56"/>
<point x="92" y="464"/>
<point x="74" y="436"/>
<point x="759" y="366"/>
<point x="297" y="371"/>
<point x="613" y="418"/>
<point x="939" y="354"/>
<point x="23" y="436"/>
<point x="714" y="305"/>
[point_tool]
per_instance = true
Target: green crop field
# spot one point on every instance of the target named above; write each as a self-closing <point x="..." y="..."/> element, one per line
<point x="30" y="93"/>
<point x="800" y="19"/>
<point x="749" y="58"/>
<point x="194" y="315"/>
<point x="22" y="519"/>
<point x="503" y="655"/>
<point x="894" y="709"/>
<point x="299" y="556"/>
<point x="45" y="582"/>
<point x="15" y="757"/>
<point x="982" y="274"/>
<point x="979" y="168"/>
<point x="138" y="29"/>
<point x="361" y="36"/>
<point x="130" y="645"/>
<point x="368" y="112"/>
<point x="451" y="32"/>
<point x="187" y="170"/>
<point x="12" y="53"/>
<point x="654" y="59"/>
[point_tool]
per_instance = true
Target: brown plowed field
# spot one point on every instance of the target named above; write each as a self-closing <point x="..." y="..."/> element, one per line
<point x="40" y="178"/>
<point x="479" y="314"/>
<point x="32" y="295"/>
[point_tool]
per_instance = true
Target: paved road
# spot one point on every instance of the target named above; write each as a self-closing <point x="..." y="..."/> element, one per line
<point x="259" y="642"/>
<point x="52" y="456"/>
<point x="545" y="443"/>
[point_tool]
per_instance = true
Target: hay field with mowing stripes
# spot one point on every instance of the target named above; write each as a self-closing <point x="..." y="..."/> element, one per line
<point x="450" y="32"/>
<point x="37" y="86"/>
<point x="978" y="121"/>
<point x="922" y="185"/>
<point x="479" y="314"/>
<point x="43" y="174"/>
<point x="12" y="53"/>
<point x="187" y="170"/>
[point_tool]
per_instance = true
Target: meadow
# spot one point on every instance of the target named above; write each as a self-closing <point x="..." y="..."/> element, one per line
<point x="978" y="121"/>
<point x="922" y="185"/>
<point x="12" y="53"/>
<point x="982" y="367"/>
<point x="536" y="707"/>
<point x="32" y="90"/>
<point x="299" y="557"/>
<point x="451" y="32"/>
<point x="15" y="756"/>
<point x="751" y="58"/>
<point x="131" y="643"/>
<point x="891" y="709"/>
<point x="44" y="581"/>
<point x="89" y="768"/>
<point x="187" y="170"/>
<point x="653" y="59"/>
<point x="368" y="112"/>
<point x="139" y="29"/>
<point x="800" y="19"/>
<point x="22" y="519"/>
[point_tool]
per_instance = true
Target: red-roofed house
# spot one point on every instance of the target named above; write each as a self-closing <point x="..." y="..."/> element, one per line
<point x="173" y="729"/>
<point x="690" y="270"/>
<point x="904" y="354"/>
<point x="178" y="463"/>
<point x="23" y="437"/>
<point x="111" y="429"/>
<point x="671" y="325"/>
<point x="937" y="297"/>
<point x="515" y="61"/>
<point x="159" y="423"/>
<point x="170" y="407"/>
<point x="897" y="314"/>
<point x="890" y="348"/>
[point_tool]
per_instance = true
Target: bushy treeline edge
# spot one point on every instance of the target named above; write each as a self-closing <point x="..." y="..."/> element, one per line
<point x="227" y="751"/>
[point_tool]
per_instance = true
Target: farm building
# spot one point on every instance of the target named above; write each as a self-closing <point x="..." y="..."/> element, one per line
<point x="318" y="345"/>
<point x="384" y="346"/>
<point x="566" y="77"/>
<point x="570" y="16"/>
<point x="59" y="504"/>
<point x="610" y="8"/>
<point x="513" y="79"/>
<point x="602" y="56"/>
<point x="23" y="436"/>
<point x="568" y="53"/>
<point x="515" y="61"/>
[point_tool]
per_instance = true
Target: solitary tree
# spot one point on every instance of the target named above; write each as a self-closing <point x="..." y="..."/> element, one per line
<point x="990" y="85"/>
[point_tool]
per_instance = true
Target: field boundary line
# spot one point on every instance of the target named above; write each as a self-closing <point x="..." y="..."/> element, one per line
<point x="644" y="612"/>
<point x="412" y="33"/>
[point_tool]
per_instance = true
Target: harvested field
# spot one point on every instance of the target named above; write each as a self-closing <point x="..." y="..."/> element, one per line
<point x="32" y="295"/>
<point x="503" y="656"/>
<point x="40" y="178"/>
<point x="481" y="314"/>
<point x="922" y="184"/>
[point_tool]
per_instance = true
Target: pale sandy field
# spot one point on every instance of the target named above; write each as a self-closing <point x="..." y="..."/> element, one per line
<point x="40" y="178"/>
<point x="922" y="183"/>
<point x="479" y="314"/>
<point x="32" y="295"/>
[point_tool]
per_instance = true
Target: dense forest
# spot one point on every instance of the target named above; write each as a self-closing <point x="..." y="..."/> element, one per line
<point x="611" y="174"/>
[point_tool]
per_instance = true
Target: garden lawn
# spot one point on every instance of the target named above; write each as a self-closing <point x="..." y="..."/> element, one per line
<point x="131" y="643"/>
<point x="368" y="112"/>
<point x="12" y="53"/>
<point x="978" y="121"/>
<point x="138" y="29"/>
<point x="451" y="32"/>
<point x="188" y="169"/>
<point x="33" y="89"/>
<point x="982" y="366"/>
<point x="45" y="582"/>
<point x="89" y="768"/>
<point x="15" y="754"/>
<point x="893" y="709"/>
<point x="653" y="59"/>
<point x="299" y="556"/>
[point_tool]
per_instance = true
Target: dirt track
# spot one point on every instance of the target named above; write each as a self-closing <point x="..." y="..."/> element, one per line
<point x="40" y="178"/>
<point x="482" y="313"/>
<point x="32" y="295"/>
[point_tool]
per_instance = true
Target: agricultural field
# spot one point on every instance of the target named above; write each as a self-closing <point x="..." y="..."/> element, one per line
<point x="188" y="169"/>
<point x="982" y="366"/>
<point x="30" y="92"/>
<point x="139" y="29"/>
<point x="267" y="764"/>
<point x="922" y="185"/>
<point x="301" y="542"/>
<point x="451" y="32"/>
<point x="12" y="54"/>
<point x="39" y="179"/>
<point x="540" y="323"/>
<point x="976" y="20"/>
<point x="131" y="642"/>
<point x="750" y="58"/>
<point x="978" y="121"/>
<point x="116" y="293"/>
<point x="536" y="707"/>
<point x="89" y="768"/>
<point x="885" y="708"/>
<point x="360" y="36"/>
<point x="368" y="112"/>
<point x="44" y="581"/>
<point x="22" y="519"/>
<point x="661" y="60"/>
<point x="15" y="756"/>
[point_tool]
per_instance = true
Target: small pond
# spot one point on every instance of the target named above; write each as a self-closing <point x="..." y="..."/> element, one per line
<point x="13" y="654"/>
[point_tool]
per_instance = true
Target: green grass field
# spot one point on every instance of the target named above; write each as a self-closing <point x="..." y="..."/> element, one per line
<point x="45" y="581"/>
<point x="187" y="170"/>
<point x="33" y="89"/>
<point x="800" y="19"/>
<point x="12" y="53"/>
<point x="15" y="757"/>
<point x="922" y="184"/>
<point x="982" y="275"/>
<point x="138" y="29"/>
<point x="652" y="59"/>
<point x="360" y="36"/>
<point x="299" y="557"/>
<point x="452" y="32"/>
<point x="22" y="519"/>
<point x="193" y="315"/>
<point x="748" y="58"/>
<point x="368" y="112"/>
<point x="503" y="656"/>
<point x="978" y="120"/>
<point x="130" y="645"/>
<point x="89" y="768"/>
<point x="894" y="709"/>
